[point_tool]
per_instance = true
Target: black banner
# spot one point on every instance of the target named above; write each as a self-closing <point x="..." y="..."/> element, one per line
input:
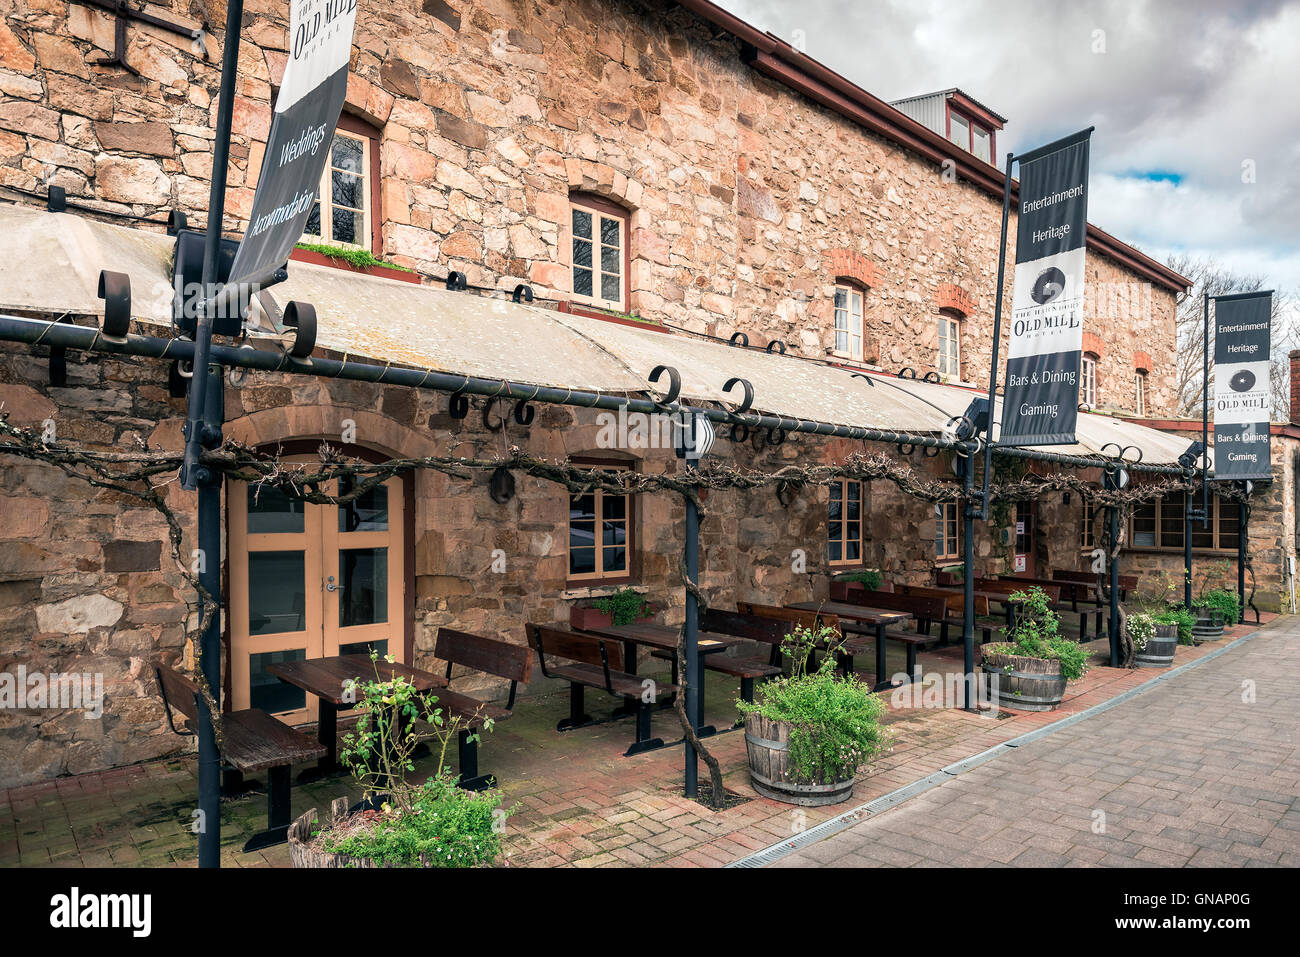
<point x="1041" y="395"/>
<point x="1243" y="347"/>
<point x="302" y="130"/>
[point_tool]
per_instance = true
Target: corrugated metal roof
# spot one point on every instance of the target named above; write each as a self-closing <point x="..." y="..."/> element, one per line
<point x="50" y="262"/>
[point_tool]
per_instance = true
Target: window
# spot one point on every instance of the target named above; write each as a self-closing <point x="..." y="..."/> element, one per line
<point x="970" y="136"/>
<point x="1140" y="393"/>
<point x="599" y="252"/>
<point x="946" y="532"/>
<point x="346" y="210"/>
<point x="1087" y="524"/>
<point x="844" y="522"/>
<point x="600" y="533"/>
<point x="950" y="346"/>
<point x="1159" y="525"/>
<point x="1088" y="380"/>
<point x="848" y="320"/>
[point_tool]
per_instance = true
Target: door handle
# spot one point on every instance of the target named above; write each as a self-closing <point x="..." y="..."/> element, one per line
<point x="329" y="584"/>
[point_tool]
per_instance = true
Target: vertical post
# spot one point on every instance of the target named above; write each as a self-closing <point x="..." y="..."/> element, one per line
<point x="1243" y="512"/>
<point x="997" y="336"/>
<point x="212" y="241"/>
<point x="1112" y="517"/>
<point x="1187" y="550"/>
<point x="209" y="538"/>
<point x="968" y="578"/>
<point x="693" y="703"/>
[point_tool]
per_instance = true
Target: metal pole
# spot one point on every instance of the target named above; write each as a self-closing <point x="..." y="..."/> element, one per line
<point x="209" y="537"/>
<point x="693" y="703"/>
<point x="997" y="335"/>
<point x="1187" y="549"/>
<point x="212" y="241"/>
<point x="1242" y="513"/>
<point x="968" y="579"/>
<point x="1114" y="586"/>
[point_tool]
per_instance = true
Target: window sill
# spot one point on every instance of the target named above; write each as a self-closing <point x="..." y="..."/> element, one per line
<point x="1203" y="552"/>
<point x="578" y="590"/>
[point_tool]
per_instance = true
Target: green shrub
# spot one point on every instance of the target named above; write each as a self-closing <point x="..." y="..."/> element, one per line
<point x="625" y="605"/>
<point x="1037" y="635"/>
<point x="835" y="721"/>
<point x="1181" y="617"/>
<point x="869" y="578"/>
<point x="1223" y="601"/>
<point x="360" y="258"/>
<point x="445" y="827"/>
<point x="1141" y="629"/>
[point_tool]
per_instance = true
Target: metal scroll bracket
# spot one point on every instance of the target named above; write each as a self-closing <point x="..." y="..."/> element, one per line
<point x="124" y="12"/>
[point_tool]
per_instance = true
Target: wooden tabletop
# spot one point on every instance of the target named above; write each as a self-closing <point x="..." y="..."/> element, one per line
<point x="326" y="677"/>
<point x="862" y="613"/>
<point x="661" y="636"/>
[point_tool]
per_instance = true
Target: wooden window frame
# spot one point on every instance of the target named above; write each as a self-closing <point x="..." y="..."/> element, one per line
<point x="1087" y="525"/>
<point x="598" y="577"/>
<point x="1088" y="379"/>
<point x="971" y="123"/>
<point x="842" y="537"/>
<point x="599" y="206"/>
<point x="851" y="288"/>
<point x="952" y="319"/>
<point x="1216" y="532"/>
<point x="358" y="129"/>
<point x="941" y="515"/>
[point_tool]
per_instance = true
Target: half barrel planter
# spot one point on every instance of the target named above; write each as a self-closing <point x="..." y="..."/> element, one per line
<point x="1208" y="626"/>
<point x="1023" y="684"/>
<point x="1159" y="652"/>
<point x="768" y="745"/>
<point x="303" y="851"/>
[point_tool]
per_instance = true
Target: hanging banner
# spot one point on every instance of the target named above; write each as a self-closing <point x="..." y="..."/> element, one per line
<point x="302" y="130"/>
<point x="1041" y="395"/>
<point x="1242" y="390"/>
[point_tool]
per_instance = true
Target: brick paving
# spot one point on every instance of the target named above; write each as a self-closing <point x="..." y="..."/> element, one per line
<point x="1189" y="773"/>
<point x="576" y="801"/>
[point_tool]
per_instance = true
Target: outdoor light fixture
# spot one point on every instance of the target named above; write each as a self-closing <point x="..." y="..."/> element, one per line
<point x="1189" y="458"/>
<point x="693" y="435"/>
<point x="962" y="428"/>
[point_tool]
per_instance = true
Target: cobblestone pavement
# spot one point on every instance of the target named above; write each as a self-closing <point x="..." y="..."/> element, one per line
<point x="574" y="799"/>
<point x="1202" y="770"/>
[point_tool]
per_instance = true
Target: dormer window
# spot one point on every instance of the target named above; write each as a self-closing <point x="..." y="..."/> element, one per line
<point x="970" y="135"/>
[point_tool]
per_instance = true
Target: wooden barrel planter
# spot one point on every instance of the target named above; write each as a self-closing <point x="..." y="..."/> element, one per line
<point x="303" y="853"/>
<point x="1159" y="652"/>
<point x="1208" y="627"/>
<point x="1024" y="684"/>
<point x="767" y="743"/>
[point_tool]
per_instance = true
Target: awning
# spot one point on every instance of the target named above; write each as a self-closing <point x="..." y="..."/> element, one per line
<point x="50" y="263"/>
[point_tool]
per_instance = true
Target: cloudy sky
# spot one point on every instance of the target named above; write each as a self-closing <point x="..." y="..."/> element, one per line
<point x="1189" y="98"/>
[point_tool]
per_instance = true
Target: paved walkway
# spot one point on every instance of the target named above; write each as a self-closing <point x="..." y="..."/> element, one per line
<point x="1202" y="770"/>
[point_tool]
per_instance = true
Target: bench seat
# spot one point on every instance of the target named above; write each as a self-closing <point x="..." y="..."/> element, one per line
<point x="255" y="741"/>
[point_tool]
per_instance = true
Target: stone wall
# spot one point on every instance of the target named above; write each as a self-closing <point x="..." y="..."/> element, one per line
<point x="746" y="200"/>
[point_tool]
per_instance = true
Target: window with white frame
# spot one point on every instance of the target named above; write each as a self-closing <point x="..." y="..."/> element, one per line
<point x="1088" y="380"/>
<point x="1140" y="392"/>
<point x="950" y="346"/>
<point x="599" y="252"/>
<point x="947" y="545"/>
<point x="848" y="320"/>
<point x="1087" y="524"/>
<point x="342" y="213"/>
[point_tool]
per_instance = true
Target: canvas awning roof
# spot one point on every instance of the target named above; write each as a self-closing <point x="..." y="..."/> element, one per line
<point x="50" y="263"/>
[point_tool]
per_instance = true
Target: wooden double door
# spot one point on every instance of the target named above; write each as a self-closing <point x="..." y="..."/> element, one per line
<point x="310" y="581"/>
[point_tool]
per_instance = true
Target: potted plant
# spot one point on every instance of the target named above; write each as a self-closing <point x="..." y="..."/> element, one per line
<point x="352" y="259"/>
<point x="846" y="583"/>
<point x="400" y="823"/>
<point x="623" y="607"/>
<point x="1215" y="604"/>
<point x="809" y="734"/>
<point x="1029" y="670"/>
<point x="1153" y="627"/>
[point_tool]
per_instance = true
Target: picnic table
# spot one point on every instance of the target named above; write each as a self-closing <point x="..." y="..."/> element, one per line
<point x="1008" y="603"/>
<point x="879" y="618"/>
<point x="664" y="638"/>
<point x="329" y="680"/>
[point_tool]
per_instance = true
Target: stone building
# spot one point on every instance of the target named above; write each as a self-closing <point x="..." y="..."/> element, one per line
<point x="635" y="161"/>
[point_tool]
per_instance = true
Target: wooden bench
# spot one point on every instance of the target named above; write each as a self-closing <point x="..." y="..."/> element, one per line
<point x="484" y="656"/>
<point x="1127" y="583"/>
<point x="593" y="662"/>
<point x="855" y="638"/>
<point x="956" y="607"/>
<point x="254" y="741"/>
<point x="792" y="616"/>
<point x="768" y="631"/>
<point x="1071" y="595"/>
